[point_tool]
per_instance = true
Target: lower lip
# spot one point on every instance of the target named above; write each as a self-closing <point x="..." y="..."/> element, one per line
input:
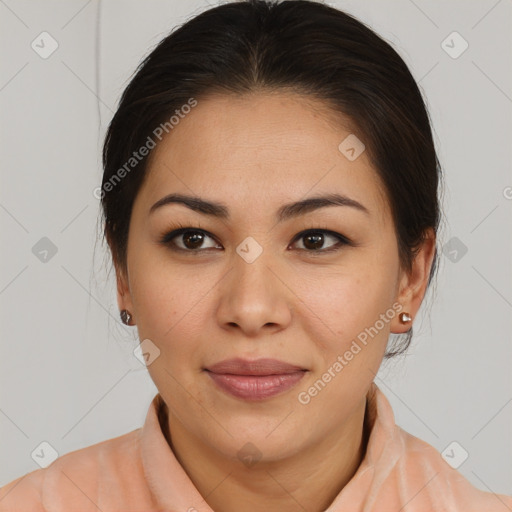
<point x="256" y="387"/>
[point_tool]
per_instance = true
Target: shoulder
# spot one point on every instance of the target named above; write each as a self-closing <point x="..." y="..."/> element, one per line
<point x="80" y="477"/>
<point x="435" y="485"/>
<point x="402" y="470"/>
<point x="23" y="492"/>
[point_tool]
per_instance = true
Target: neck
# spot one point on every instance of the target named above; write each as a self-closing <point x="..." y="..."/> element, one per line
<point x="309" y="480"/>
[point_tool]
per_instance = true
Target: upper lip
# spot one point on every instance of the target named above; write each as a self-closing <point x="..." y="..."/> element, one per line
<point x="238" y="366"/>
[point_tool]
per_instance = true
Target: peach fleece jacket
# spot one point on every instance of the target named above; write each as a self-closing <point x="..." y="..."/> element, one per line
<point x="138" y="471"/>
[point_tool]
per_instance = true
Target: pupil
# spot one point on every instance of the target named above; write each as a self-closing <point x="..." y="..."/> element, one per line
<point x="317" y="240"/>
<point x="194" y="243"/>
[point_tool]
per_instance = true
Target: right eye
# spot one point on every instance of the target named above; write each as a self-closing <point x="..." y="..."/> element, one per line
<point x="191" y="239"/>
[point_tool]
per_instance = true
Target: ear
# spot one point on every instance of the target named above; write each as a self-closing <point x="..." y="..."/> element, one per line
<point x="413" y="284"/>
<point x="124" y="299"/>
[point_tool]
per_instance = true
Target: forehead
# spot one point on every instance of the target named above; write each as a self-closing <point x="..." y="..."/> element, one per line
<point x="261" y="148"/>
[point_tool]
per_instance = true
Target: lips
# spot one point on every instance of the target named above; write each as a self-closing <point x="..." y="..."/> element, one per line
<point x="240" y="366"/>
<point x="254" y="380"/>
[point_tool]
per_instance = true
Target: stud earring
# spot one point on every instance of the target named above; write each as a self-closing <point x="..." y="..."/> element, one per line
<point x="404" y="318"/>
<point x="126" y="317"/>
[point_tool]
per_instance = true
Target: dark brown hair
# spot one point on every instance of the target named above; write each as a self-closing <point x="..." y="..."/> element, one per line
<point x="298" y="45"/>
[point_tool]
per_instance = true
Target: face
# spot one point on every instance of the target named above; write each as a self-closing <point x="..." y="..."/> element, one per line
<point x="317" y="287"/>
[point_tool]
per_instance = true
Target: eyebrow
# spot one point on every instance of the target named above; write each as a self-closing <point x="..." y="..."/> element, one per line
<point x="286" y="212"/>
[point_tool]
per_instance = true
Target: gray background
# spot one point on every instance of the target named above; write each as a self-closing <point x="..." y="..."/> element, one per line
<point x="68" y="375"/>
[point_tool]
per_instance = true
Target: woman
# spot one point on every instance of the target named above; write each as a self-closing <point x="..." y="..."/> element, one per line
<point x="270" y="195"/>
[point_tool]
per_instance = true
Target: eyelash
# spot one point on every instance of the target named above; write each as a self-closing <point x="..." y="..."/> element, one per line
<point x="167" y="238"/>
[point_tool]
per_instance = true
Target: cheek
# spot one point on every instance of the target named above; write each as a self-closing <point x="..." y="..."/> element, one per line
<point x="170" y="302"/>
<point x="351" y="336"/>
<point x="342" y="304"/>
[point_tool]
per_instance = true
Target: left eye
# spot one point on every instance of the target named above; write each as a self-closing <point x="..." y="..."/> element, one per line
<point x="317" y="238"/>
<point x="192" y="239"/>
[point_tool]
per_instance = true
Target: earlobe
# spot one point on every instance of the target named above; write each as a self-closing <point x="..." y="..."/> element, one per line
<point x="124" y="298"/>
<point x="413" y="284"/>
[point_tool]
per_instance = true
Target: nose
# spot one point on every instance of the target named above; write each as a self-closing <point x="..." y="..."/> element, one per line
<point x="254" y="297"/>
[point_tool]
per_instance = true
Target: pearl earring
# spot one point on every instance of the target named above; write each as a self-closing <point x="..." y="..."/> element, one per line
<point x="404" y="318"/>
<point x="125" y="317"/>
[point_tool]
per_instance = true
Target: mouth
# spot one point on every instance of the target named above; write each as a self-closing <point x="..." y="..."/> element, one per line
<point x="255" y="380"/>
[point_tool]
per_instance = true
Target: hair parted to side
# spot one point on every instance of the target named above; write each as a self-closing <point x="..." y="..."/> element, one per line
<point x="297" y="45"/>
